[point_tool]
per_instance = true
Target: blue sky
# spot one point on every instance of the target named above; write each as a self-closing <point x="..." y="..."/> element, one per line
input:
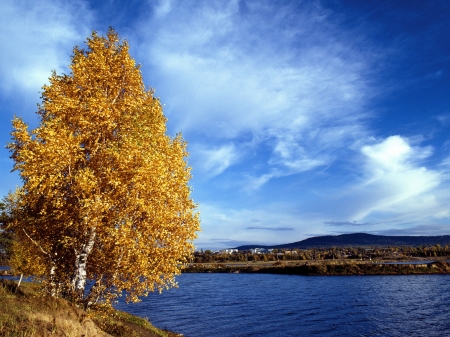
<point x="303" y="118"/>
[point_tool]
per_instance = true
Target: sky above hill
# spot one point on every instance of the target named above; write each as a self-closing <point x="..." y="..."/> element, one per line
<point x="303" y="118"/>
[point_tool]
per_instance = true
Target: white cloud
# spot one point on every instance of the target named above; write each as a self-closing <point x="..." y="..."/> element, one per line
<point x="291" y="81"/>
<point x="389" y="154"/>
<point x="261" y="90"/>
<point x="425" y="230"/>
<point x="289" y="153"/>
<point x="395" y="153"/>
<point x="445" y="163"/>
<point x="163" y="8"/>
<point x="37" y="37"/>
<point x="254" y="183"/>
<point x="444" y="119"/>
<point x="213" y="161"/>
<point x="394" y="183"/>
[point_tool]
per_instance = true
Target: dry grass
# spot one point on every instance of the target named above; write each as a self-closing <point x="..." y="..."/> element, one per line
<point x="25" y="312"/>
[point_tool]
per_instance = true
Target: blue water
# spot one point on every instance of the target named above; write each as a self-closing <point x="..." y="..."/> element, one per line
<point x="227" y="305"/>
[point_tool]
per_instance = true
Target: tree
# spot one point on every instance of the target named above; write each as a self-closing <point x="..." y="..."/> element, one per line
<point x="18" y="252"/>
<point x="5" y="234"/>
<point x="105" y="192"/>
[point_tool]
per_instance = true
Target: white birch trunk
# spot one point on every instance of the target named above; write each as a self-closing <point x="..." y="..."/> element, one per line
<point x="79" y="278"/>
<point x="20" y="281"/>
<point x="53" y="291"/>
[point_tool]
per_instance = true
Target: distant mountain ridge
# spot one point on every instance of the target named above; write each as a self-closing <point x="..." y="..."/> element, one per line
<point x="359" y="240"/>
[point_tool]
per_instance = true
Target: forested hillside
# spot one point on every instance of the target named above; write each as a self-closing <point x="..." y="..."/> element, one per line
<point x="359" y="240"/>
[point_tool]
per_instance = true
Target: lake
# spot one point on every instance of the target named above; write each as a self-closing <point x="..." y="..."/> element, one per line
<point x="226" y="305"/>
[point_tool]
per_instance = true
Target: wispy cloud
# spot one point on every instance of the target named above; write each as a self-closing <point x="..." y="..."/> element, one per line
<point x="242" y="224"/>
<point x="284" y="105"/>
<point x="38" y="36"/>
<point x="162" y="8"/>
<point x="212" y="161"/>
<point x="445" y="163"/>
<point x="358" y="224"/>
<point x="294" y="83"/>
<point x="394" y="184"/>
<point x="345" y="223"/>
<point x="274" y="229"/>
<point x="444" y="119"/>
<point x="395" y="178"/>
<point x="422" y="230"/>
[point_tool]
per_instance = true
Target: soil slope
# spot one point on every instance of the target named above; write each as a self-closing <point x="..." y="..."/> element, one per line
<point x="26" y="312"/>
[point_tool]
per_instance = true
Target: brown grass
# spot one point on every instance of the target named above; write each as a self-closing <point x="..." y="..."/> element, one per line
<point x="26" y="312"/>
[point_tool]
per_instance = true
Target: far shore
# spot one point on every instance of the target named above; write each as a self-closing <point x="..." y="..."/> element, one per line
<point x="410" y="266"/>
<point x="405" y="266"/>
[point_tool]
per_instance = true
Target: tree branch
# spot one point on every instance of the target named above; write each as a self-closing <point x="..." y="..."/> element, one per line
<point x="38" y="245"/>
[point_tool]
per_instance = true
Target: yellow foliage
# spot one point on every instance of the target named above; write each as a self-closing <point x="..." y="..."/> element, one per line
<point x="100" y="165"/>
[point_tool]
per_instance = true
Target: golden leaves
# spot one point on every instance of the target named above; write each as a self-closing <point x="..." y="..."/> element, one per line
<point x="101" y="159"/>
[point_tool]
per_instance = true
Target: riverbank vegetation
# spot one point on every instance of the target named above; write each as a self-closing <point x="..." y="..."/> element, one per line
<point x="27" y="312"/>
<point x="367" y="260"/>
<point x="376" y="253"/>
<point x="324" y="268"/>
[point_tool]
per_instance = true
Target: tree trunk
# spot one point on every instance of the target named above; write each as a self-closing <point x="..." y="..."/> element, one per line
<point x="53" y="290"/>
<point x="20" y="281"/>
<point x="81" y="256"/>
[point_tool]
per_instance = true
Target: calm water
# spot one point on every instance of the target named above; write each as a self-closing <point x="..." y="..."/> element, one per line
<point x="227" y="305"/>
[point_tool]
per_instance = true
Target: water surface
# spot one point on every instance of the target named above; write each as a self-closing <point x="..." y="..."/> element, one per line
<point x="225" y="305"/>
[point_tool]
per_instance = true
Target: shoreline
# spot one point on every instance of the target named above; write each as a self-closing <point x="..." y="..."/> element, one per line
<point x="331" y="269"/>
<point x="26" y="311"/>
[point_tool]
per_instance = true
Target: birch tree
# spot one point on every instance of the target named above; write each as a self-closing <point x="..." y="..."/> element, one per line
<point x="105" y="192"/>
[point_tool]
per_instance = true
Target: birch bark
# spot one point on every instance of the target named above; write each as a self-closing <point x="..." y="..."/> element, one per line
<point x="81" y="256"/>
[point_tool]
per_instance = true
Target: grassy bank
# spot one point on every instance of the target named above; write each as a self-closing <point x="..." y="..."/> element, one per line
<point x="25" y="312"/>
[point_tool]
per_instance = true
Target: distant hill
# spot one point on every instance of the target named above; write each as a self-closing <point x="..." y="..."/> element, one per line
<point x="359" y="240"/>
